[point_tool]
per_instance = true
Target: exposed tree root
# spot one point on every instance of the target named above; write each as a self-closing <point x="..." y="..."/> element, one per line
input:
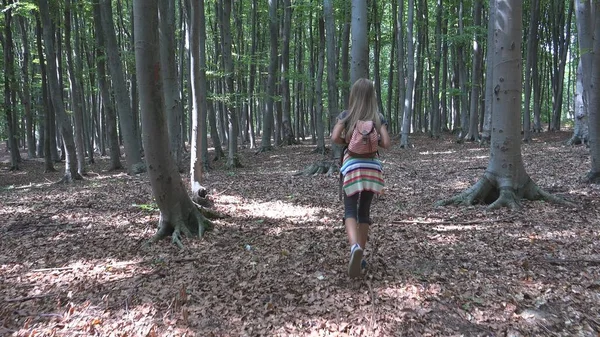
<point x="323" y="167"/>
<point x="264" y="149"/>
<point x="487" y="191"/>
<point x="320" y="150"/>
<point x="233" y="163"/>
<point x="68" y="178"/>
<point x="138" y="168"/>
<point x="195" y="225"/>
<point x="576" y="140"/>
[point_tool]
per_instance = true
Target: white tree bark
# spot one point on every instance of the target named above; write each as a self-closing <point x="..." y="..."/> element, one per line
<point x="410" y="74"/>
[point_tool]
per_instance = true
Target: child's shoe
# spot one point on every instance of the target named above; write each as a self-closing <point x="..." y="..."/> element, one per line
<point x="355" y="265"/>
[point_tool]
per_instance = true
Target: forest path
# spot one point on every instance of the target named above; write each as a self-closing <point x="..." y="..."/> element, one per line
<point x="71" y="262"/>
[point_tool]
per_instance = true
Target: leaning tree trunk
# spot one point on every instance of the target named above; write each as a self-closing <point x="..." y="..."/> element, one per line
<point x="66" y="129"/>
<point x="133" y="154"/>
<point x="505" y="180"/>
<point x="178" y="214"/>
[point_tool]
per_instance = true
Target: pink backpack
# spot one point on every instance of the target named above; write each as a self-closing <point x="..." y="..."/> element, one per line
<point x="364" y="140"/>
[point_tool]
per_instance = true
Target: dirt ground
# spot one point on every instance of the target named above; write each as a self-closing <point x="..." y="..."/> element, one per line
<point x="72" y="262"/>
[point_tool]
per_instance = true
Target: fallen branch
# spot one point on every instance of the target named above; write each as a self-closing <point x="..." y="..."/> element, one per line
<point x="28" y="298"/>
<point x="449" y="222"/>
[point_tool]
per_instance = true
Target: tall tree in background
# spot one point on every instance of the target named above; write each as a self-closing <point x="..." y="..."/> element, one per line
<point x="231" y="101"/>
<point x="76" y="94"/>
<point x="320" y="129"/>
<point x="400" y="66"/>
<point x="288" y="132"/>
<point x="178" y="214"/>
<point x="332" y="89"/>
<point x="55" y="87"/>
<point x="267" y="121"/>
<point x="489" y="81"/>
<point x="359" y="30"/>
<point x="473" y="134"/>
<point x="410" y="74"/>
<point x="199" y="93"/>
<point x="505" y="180"/>
<point x="9" y="87"/>
<point x="26" y="96"/>
<point x="110" y="115"/>
<point x="173" y="106"/>
<point x="130" y="137"/>
<point x="580" y="129"/>
<point x="532" y="48"/>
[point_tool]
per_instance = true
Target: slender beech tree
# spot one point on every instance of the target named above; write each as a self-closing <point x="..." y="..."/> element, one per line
<point x="436" y="111"/>
<point x="505" y="180"/>
<point x="532" y="48"/>
<point x="199" y="92"/>
<point x="475" y="76"/>
<point x="178" y="214"/>
<point x="332" y="89"/>
<point x="76" y="94"/>
<point x="46" y="104"/>
<point x="231" y="102"/>
<point x="128" y="130"/>
<point x="402" y="80"/>
<point x="71" y="172"/>
<point x="489" y="81"/>
<point x="410" y="74"/>
<point x="110" y="116"/>
<point x="170" y="78"/>
<point x="267" y="121"/>
<point x="359" y="53"/>
<point x="320" y="129"/>
<point x="26" y="97"/>
<point x="9" y="87"/>
<point x="288" y="131"/>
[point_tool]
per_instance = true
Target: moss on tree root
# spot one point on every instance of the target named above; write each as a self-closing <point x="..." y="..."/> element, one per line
<point x="486" y="190"/>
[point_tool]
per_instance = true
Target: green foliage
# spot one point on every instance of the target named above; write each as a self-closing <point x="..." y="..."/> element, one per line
<point x="152" y="207"/>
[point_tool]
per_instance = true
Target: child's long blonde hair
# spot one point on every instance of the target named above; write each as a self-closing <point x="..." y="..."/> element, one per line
<point x="362" y="105"/>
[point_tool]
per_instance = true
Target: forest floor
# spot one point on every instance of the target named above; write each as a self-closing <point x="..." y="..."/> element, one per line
<point x="72" y="262"/>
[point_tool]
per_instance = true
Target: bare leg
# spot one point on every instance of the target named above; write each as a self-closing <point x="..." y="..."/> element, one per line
<point x="363" y="234"/>
<point x="352" y="231"/>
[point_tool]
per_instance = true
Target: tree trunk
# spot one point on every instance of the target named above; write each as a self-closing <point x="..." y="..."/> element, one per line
<point x="46" y="126"/>
<point x="267" y="129"/>
<point x="410" y="71"/>
<point x="580" y="131"/>
<point x="360" y="41"/>
<point x="178" y="214"/>
<point x="475" y="77"/>
<point x="71" y="172"/>
<point x="288" y="132"/>
<point x="332" y="89"/>
<point x="319" y="91"/>
<point x="505" y="180"/>
<point x="76" y="95"/>
<point x="29" y="128"/>
<point x="436" y="109"/>
<point x="172" y="99"/>
<point x="345" y="57"/>
<point x="199" y="93"/>
<point x="133" y="157"/>
<point x="489" y="81"/>
<point x="402" y="79"/>
<point x="9" y="87"/>
<point x="532" y="42"/>
<point x="376" y="20"/>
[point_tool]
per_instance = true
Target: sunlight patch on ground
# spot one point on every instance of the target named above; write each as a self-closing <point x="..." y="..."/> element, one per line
<point x="433" y="152"/>
<point x="447" y="228"/>
<point x="16" y="210"/>
<point x="273" y="209"/>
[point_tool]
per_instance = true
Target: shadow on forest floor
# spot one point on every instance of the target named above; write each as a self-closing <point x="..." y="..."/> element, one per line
<point x="71" y="260"/>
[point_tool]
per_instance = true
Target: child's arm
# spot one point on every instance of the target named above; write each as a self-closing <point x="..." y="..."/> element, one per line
<point x="384" y="141"/>
<point x="336" y="134"/>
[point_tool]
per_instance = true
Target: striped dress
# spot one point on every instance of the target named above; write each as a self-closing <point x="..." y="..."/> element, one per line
<point x="362" y="174"/>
